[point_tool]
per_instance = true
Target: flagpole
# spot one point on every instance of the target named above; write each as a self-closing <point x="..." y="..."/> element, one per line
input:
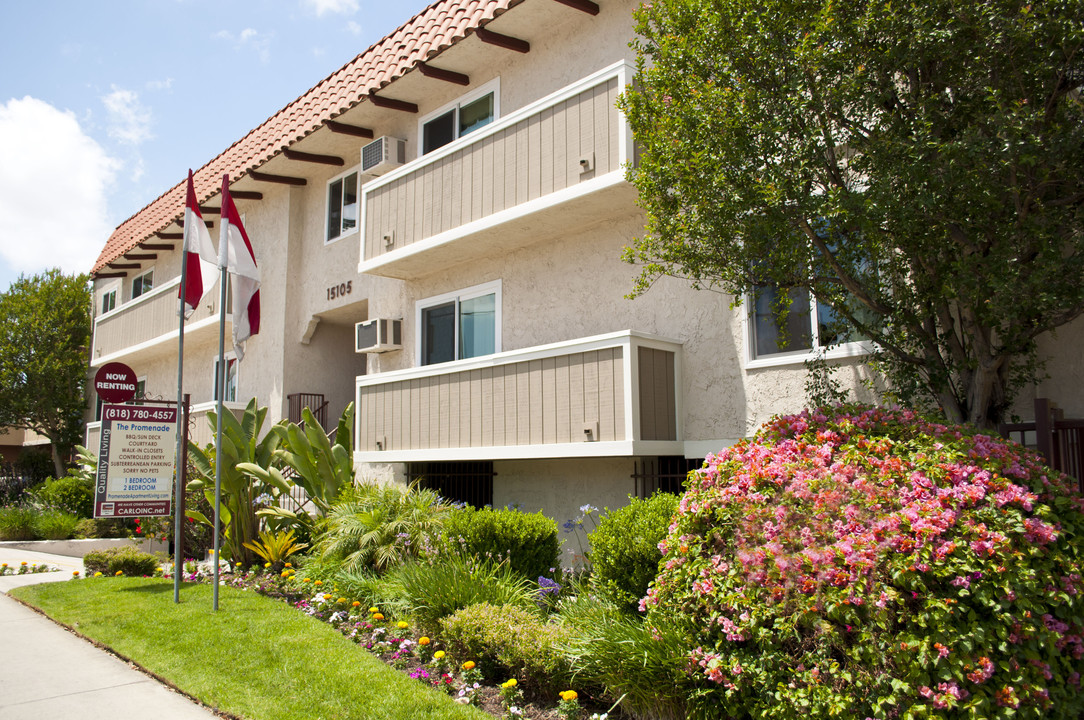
<point x="178" y="476"/>
<point x="223" y="242"/>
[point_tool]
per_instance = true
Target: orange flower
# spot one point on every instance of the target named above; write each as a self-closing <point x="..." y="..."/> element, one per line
<point x="469" y="665"/>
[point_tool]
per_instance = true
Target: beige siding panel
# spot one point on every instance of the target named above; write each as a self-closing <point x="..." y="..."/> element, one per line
<point x="612" y="124"/>
<point x="488" y="184"/>
<point x="549" y="400"/>
<point x="534" y="401"/>
<point x="510" y="167"/>
<point x="486" y="416"/>
<point x="577" y="402"/>
<point x="592" y="392"/>
<point x="645" y="388"/>
<point x="572" y="140"/>
<point x="500" y="171"/>
<point x="607" y="414"/>
<point x="410" y="225"/>
<point x="462" y="411"/>
<point x="425" y="416"/>
<point x="546" y="150"/>
<point x="601" y="129"/>
<point x="415" y="413"/>
<point x="476" y="409"/>
<point x="587" y="124"/>
<point x="523" y="404"/>
<point x="560" y="146"/>
<point x="523" y="162"/>
<point x="534" y="158"/>
<point x="562" y="388"/>
<point x="619" y="392"/>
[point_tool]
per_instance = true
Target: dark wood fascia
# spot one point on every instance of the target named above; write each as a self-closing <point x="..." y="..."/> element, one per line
<point x="169" y="236"/>
<point x="122" y="266"/>
<point x="155" y="246"/>
<point x="102" y="276"/>
<point x="313" y="158"/>
<point x="277" y="179"/>
<point x="210" y="209"/>
<point x="140" y="256"/>
<point x="446" y="75"/>
<point x="343" y="129"/>
<point x="392" y="104"/>
<point x="505" y="41"/>
<point x="586" y="5"/>
<point x="246" y="195"/>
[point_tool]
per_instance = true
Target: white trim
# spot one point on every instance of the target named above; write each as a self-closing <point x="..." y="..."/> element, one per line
<point x="796" y="357"/>
<point x="620" y="448"/>
<point x="327" y="199"/>
<point x="493" y="86"/>
<point x="212" y="405"/>
<point x="490" y="288"/>
<point x="610" y="179"/>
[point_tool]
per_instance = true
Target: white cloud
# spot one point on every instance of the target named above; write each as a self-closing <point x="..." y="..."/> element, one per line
<point x="160" y="84"/>
<point x="129" y="119"/>
<point x="250" y="39"/>
<point x="53" y="184"/>
<point x="353" y="28"/>
<point x="345" y="7"/>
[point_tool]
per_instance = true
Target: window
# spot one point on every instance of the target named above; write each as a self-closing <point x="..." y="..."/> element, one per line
<point x="231" y="379"/>
<point x="786" y="325"/>
<point x="109" y="300"/>
<point x="464" y="116"/>
<point x="460" y="325"/>
<point x="142" y="284"/>
<point x="342" y="206"/>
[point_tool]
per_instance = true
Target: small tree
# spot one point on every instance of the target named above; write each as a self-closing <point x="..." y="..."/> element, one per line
<point x="919" y="166"/>
<point x="43" y="358"/>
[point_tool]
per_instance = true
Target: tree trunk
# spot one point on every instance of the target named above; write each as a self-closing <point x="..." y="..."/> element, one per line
<point x="58" y="464"/>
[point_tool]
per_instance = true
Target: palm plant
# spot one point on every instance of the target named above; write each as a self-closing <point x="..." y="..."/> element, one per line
<point x="241" y="445"/>
<point x="276" y="547"/>
<point x="378" y="526"/>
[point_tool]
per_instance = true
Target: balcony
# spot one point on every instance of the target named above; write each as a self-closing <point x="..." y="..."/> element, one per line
<point x="146" y="327"/>
<point x="552" y="166"/>
<point x="199" y="429"/>
<point x="608" y="395"/>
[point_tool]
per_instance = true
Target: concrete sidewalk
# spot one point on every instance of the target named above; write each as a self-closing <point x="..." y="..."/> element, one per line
<point x="47" y="672"/>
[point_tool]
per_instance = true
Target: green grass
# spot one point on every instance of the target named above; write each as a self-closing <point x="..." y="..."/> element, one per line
<point x="255" y="658"/>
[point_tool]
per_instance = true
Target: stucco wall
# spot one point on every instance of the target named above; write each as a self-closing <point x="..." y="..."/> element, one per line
<point x="560" y="487"/>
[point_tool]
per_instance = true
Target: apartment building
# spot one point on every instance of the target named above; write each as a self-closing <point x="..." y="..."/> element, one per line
<point x="439" y="224"/>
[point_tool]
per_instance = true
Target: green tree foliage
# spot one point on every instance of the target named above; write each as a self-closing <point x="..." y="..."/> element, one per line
<point x="43" y="358"/>
<point x="625" y="547"/>
<point x="919" y="166"/>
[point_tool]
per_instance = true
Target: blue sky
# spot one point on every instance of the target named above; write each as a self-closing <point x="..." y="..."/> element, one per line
<point x="105" y="105"/>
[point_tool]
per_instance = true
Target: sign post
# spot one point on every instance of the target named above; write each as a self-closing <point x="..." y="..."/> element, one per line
<point x="136" y="461"/>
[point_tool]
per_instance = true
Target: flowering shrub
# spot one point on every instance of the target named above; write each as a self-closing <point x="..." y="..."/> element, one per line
<point x="861" y="562"/>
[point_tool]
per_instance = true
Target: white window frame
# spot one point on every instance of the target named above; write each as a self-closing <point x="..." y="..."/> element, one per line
<point x="458" y="296"/>
<point x="327" y="201"/>
<point x="140" y="276"/>
<point x="237" y="377"/>
<point x="493" y="86"/>
<point x="111" y="289"/>
<point x="856" y="348"/>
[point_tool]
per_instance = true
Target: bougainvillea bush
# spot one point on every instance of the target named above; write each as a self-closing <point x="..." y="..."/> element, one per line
<point x="862" y="562"/>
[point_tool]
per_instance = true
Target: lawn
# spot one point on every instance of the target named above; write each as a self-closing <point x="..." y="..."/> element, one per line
<point x="255" y="658"/>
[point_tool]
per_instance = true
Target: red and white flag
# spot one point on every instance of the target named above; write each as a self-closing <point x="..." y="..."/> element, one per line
<point x="199" y="254"/>
<point x="235" y="254"/>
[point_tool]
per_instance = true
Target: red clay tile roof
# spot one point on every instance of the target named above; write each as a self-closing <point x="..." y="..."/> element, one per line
<point x="431" y="31"/>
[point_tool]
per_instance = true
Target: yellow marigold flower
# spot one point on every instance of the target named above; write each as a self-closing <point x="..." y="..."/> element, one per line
<point x="374" y="610"/>
<point x="284" y="574"/>
<point x="327" y="596"/>
<point x="75" y="573"/>
<point x="118" y="572"/>
<point x="23" y="562"/>
<point x="568" y="695"/>
<point x="289" y="565"/>
<point x="402" y="625"/>
<point x="356" y="603"/>
<point x="469" y="665"/>
<point x="423" y="640"/>
<point x="97" y="574"/>
<point x="318" y="582"/>
<point x="438" y="655"/>
<point x="342" y="600"/>
<point x="510" y="683"/>
<point x="306" y="580"/>
<point x="267" y="565"/>
<point x="378" y="616"/>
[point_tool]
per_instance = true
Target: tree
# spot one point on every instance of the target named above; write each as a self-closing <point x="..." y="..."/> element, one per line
<point x="43" y="358"/>
<point x="919" y="167"/>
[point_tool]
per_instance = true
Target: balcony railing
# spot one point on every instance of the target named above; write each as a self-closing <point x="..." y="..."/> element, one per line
<point x="615" y="394"/>
<point x="558" y="159"/>
<point x="147" y="326"/>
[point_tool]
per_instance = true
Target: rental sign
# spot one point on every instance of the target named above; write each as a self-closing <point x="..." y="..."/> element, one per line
<point x="135" y="464"/>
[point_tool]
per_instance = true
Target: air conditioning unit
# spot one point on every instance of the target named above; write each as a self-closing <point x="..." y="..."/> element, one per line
<point x="382" y="155"/>
<point x="378" y="335"/>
